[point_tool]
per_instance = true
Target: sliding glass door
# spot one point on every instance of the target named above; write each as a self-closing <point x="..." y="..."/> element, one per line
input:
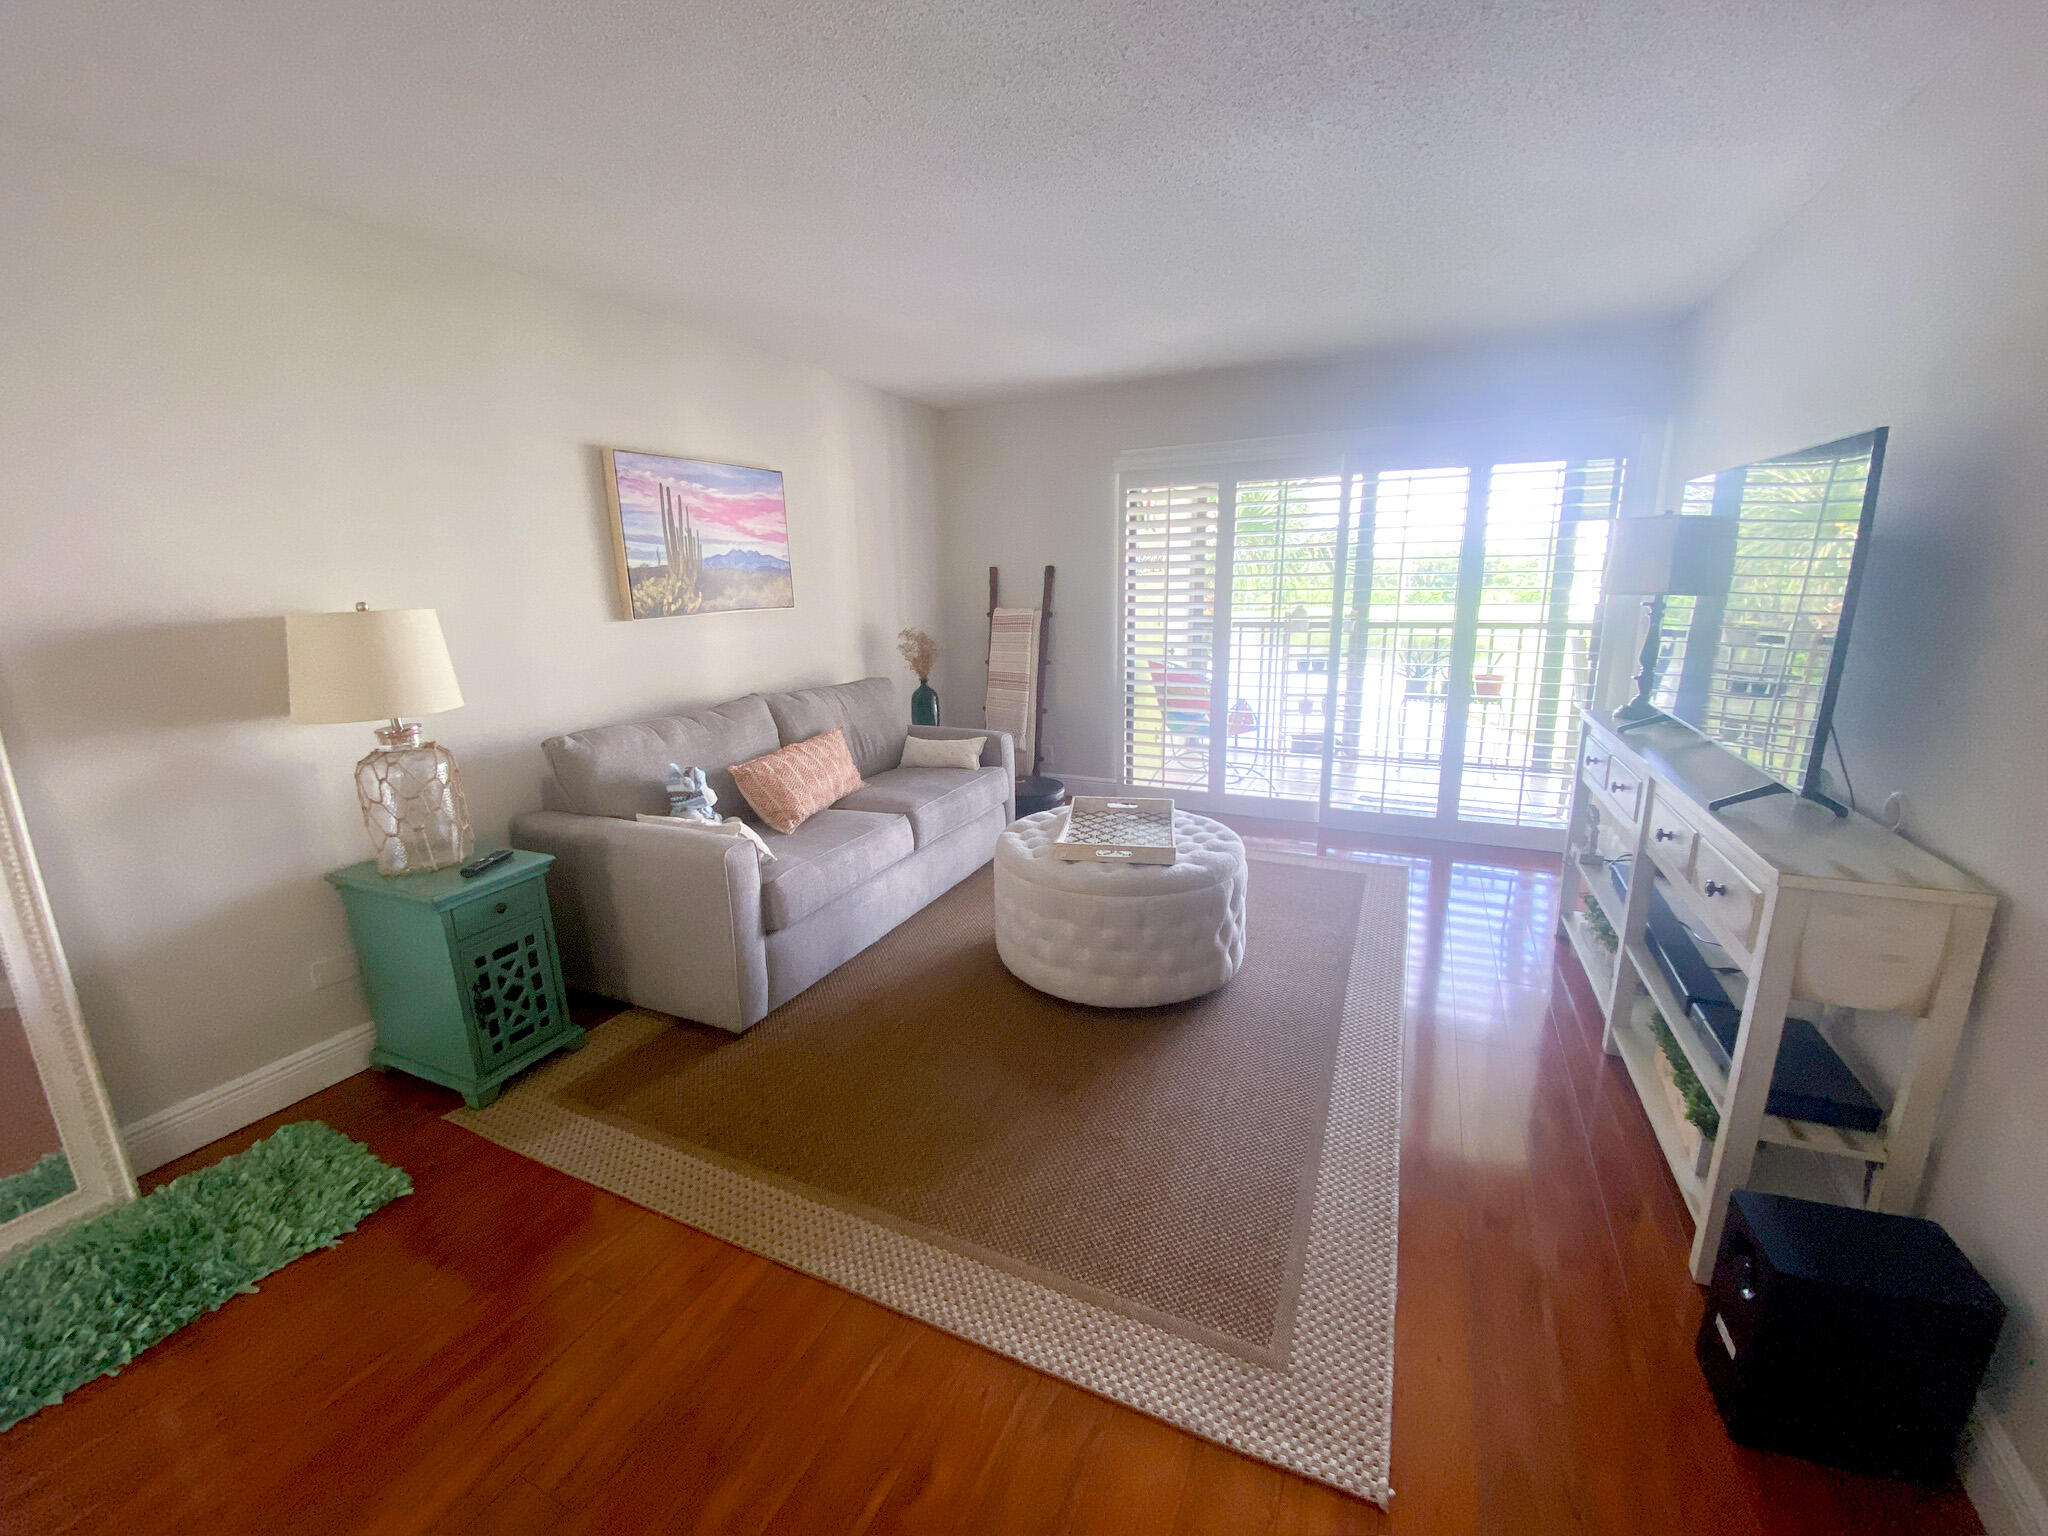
<point x="1393" y="648"/>
<point x="1285" y="582"/>
<point x="1397" y="649"/>
<point x="1536" y="603"/>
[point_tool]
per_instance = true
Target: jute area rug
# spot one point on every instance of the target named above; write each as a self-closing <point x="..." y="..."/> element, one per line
<point x="1188" y="1209"/>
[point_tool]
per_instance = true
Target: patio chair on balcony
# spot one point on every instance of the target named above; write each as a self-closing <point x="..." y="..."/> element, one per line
<point x="1184" y="705"/>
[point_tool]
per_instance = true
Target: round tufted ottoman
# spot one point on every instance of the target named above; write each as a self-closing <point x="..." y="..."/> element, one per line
<point x="1121" y="935"/>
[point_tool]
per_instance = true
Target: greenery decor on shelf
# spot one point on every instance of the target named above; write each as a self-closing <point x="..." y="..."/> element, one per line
<point x="1603" y="931"/>
<point x="920" y="653"/>
<point x="89" y="1299"/>
<point x="1699" y="1109"/>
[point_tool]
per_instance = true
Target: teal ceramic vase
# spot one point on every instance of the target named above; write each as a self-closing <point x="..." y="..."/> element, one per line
<point x="924" y="704"/>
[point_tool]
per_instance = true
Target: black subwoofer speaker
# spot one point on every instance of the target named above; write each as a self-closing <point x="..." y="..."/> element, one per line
<point x="1844" y="1336"/>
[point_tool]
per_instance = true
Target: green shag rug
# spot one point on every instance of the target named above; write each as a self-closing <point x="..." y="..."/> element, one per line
<point x="47" y="1179"/>
<point x="86" y="1301"/>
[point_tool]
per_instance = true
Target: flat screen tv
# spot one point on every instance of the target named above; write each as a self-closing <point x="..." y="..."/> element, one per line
<point x="1757" y="666"/>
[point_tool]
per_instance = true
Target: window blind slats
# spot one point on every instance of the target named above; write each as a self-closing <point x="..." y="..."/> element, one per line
<point x="1351" y="606"/>
<point x="1393" y="685"/>
<point x="1539" y="604"/>
<point x="1171" y="543"/>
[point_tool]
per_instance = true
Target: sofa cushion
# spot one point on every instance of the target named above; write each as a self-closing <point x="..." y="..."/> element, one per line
<point x="788" y="786"/>
<point x="621" y="770"/>
<point x="943" y="752"/>
<point x="871" y="711"/>
<point x="832" y="853"/>
<point x="935" y="800"/>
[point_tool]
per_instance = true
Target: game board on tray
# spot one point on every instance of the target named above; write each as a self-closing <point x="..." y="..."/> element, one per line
<point x="1105" y="828"/>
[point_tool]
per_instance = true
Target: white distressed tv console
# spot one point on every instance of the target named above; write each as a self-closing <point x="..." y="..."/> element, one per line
<point x="1838" y="920"/>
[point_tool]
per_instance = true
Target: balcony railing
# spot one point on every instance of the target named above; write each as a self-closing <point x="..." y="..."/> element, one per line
<point x="1391" y="702"/>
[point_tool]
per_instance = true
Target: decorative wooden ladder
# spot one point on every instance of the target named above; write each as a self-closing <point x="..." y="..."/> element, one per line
<point x="1026" y="717"/>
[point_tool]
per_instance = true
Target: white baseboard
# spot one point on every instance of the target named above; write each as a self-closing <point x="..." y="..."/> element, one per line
<point x="208" y="1116"/>
<point x="2008" y="1499"/>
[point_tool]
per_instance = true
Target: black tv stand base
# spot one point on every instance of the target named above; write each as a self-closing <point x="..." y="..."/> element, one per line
<point x="1763" y="791"/>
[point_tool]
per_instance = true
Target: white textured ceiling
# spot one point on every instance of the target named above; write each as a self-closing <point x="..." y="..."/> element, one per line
<point x="959" y="199"/>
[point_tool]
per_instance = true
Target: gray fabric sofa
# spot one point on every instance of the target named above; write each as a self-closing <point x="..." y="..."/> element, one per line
<point x="701" y="927"/>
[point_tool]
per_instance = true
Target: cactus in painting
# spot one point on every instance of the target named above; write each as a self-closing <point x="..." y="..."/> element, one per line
<point x="685" y="551"/>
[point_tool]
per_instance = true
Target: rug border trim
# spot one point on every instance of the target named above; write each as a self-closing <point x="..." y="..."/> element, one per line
<point x="1327" y="1415"/>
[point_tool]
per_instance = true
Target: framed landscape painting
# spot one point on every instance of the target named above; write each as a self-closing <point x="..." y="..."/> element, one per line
<point x="692" y="536"/>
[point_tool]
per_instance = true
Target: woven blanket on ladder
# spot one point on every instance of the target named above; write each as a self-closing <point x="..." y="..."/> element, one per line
<point x="1013" y="678"/>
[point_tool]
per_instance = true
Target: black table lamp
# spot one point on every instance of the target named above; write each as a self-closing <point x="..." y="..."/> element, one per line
<point x="1660" y="557"/>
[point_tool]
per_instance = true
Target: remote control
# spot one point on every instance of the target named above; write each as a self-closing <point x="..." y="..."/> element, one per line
<point x="477" y="866"/>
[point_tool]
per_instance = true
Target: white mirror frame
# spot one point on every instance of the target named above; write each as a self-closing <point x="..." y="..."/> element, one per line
<point x="48" y="1005"/>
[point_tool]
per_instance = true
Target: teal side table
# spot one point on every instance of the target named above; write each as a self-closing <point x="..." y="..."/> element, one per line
<point x="463" y="976"/>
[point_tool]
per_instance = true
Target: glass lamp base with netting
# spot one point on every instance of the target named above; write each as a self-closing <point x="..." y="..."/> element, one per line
<point x="411" y="795"/>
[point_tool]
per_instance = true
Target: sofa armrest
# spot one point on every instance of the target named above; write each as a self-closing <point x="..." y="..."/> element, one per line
<point x="662" y="917"/>
<point x="999" y="750"/>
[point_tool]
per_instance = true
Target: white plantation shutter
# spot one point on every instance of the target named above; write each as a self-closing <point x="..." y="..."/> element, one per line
<point x="1532" y="665"/>
<point x="1284" y="558"/>
<point x="1393" y="674"/>
<point x="1394" y="631"/>
<point x="1171" y="535"/>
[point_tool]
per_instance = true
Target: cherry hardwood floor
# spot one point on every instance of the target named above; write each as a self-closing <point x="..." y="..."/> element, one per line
<point x="509" y="1350"/>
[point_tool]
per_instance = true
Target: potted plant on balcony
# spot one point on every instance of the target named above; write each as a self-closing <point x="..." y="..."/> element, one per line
<point x="1421" y="668"/>
<point x="1489" y="682"/>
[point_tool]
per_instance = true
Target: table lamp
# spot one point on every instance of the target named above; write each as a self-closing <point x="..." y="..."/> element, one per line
<point x="1660" y="557"/>
<point x="367" y="665"/>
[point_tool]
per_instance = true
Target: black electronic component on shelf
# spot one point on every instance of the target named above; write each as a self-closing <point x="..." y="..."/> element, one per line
<point x="1811" y="1083"/>
<point x="1849" y="1337"/>
<point x="1678" y="956"/>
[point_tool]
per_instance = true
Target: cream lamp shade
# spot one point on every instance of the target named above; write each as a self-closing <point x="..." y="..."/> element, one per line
<point x="368" y="665"/>
<point x="1671" y="556"/>
<point x="378" y="666"/>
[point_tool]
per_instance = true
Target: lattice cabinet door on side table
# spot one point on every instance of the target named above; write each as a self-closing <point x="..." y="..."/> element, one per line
<point x="462" y="976"/>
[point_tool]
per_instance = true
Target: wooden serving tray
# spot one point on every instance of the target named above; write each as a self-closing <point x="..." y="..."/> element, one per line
<point x="1108" y="828"/>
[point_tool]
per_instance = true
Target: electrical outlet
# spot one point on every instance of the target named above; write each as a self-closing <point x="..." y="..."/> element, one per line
<point x="334" y="970"/>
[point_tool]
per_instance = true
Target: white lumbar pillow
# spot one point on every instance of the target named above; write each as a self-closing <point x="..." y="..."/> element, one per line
<point x="942" y="752"/>
<point x="732" y="826"/>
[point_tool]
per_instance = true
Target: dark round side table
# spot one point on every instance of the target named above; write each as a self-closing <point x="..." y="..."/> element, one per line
<point x="1039" y="792"/>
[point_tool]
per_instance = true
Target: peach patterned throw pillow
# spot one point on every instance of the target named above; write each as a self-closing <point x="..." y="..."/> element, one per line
<point x="788" y="786"/>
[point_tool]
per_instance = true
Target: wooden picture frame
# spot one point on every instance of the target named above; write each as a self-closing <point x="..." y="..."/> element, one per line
<point x="696" y="536"/>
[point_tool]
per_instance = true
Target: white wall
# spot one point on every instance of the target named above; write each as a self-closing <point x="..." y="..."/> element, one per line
<point x="1028" y="482"/>
<point x="215" y="409"/>
<point x="1911" y="293"/>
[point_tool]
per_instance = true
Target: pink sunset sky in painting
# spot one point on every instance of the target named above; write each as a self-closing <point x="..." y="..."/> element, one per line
<point x="732" y="507"/>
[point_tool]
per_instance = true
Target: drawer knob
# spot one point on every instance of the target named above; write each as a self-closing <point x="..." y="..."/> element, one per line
<point x="502" y="907"/>
<point x="1665" y="834"/>
<point x="1715" y="888"/>
<point x="1614" y="785"/>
